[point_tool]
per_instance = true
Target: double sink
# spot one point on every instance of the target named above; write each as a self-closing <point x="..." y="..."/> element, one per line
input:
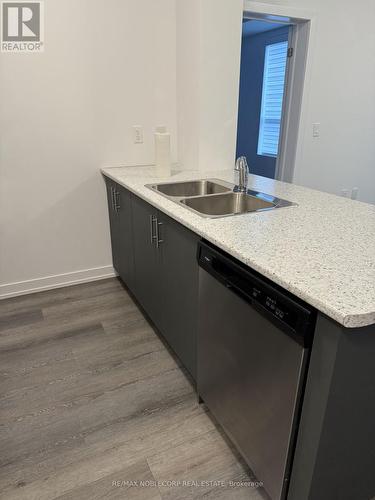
<point x="214" y="198"/>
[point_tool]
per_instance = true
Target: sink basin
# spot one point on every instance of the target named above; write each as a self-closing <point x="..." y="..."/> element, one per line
<point x="213" y="198"/>
<point x="227" y="204"/>
<point x="190" y="188"/>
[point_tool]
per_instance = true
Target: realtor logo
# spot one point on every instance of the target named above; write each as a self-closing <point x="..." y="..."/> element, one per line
<point x="22" y="26"/>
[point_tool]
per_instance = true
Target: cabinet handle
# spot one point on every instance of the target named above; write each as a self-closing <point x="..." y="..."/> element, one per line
<point x="116" y="199"/>
<point x="152" y="236"/>
<point x="112" y="198"/>
<point x="158" y="240"/>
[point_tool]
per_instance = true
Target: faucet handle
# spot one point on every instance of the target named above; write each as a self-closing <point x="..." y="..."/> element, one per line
<point x="241" y="163"/>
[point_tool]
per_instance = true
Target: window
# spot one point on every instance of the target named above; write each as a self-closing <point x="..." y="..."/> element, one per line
<point x="272" y="98"/>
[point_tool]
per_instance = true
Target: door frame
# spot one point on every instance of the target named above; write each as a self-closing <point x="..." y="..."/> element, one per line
<point x="297" y="79"/>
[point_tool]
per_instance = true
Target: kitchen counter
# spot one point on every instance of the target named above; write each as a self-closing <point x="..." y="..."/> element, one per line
<point x="322" y="250"/>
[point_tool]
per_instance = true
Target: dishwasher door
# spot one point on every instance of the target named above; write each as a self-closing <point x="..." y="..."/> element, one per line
<point x="250" y="376"/>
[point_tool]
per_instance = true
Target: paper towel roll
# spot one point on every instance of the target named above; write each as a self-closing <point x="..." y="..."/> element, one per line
<point x="162" y="152"/>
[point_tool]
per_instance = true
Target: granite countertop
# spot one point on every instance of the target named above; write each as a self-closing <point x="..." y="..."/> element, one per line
<point x="322" y="250"/>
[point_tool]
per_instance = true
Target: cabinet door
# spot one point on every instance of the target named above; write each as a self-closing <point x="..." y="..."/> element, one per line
<point x="119" y="206"/>
<point x="125" y="235"/>
<point x="114" y="225"/>
<point x="147" y="260"/>
<point x="180" y="290"/>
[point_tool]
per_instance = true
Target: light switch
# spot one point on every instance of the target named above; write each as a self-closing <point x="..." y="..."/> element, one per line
<point x="316" y="129"/>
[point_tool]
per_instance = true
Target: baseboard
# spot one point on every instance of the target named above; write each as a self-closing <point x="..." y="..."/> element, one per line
<point x="57" y="281"/>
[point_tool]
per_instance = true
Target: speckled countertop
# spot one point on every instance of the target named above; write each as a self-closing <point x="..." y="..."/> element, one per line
<point x="322" y="250"/>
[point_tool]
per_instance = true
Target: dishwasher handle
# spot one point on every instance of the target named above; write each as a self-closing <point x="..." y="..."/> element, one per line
<point x="290" y="314"/>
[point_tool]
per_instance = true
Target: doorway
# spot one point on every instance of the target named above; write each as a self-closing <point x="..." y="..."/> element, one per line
<point x="264" y="55"/>
<point x="299" y="24"/>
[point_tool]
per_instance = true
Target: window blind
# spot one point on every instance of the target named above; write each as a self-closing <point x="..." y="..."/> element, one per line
<point x="272" y="98"/>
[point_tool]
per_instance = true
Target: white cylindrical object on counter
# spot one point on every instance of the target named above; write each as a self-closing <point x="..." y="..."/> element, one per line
<point x="162" y="152"/>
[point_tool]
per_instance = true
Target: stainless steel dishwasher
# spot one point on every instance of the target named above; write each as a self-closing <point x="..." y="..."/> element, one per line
<point x="254" y="340"/>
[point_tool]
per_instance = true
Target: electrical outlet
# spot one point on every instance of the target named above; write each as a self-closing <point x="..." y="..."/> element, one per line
<point x="345" y="193"/>
<point x="354" y="195"/>
<point x="138" y="134"/>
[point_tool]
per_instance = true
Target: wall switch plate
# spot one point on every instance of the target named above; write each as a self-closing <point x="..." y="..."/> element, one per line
<point x="316" y="129"/>
<point x="138" y="134"/>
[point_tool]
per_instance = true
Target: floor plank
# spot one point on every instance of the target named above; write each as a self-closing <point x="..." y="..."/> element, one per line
<point x="133" y="483"/>
<point x="59" y="296"/>
<point x="205" y="466"/>
<point x="91" y="398"/>
<point x="24" y="318"/>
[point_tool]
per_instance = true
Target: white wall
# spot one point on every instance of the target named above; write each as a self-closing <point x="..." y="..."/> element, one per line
<point x="341" y="97"/>
<point x="64" y="114"/>
<point x="188" y="32"/>
<point x="220" y="72"/>
<point x="208" y="56"/>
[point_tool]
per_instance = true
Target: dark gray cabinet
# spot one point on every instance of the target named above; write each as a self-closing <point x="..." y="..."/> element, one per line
<point x="147" y="260"/>
<point x="180" y="289"/>
<point x="120" y="219"/>
<point x="156" y="258"/>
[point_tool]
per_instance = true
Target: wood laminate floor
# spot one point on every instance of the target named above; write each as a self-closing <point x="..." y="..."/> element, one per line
<point x="94" y="406"/>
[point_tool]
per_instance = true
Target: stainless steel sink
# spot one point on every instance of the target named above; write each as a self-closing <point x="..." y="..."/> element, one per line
<point x="214" y="198"/>
<point x="227" y="204"/>
<point x="190" y="188"/>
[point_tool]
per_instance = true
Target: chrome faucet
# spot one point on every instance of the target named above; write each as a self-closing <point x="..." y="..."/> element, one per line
<point x="243" y="169"/>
